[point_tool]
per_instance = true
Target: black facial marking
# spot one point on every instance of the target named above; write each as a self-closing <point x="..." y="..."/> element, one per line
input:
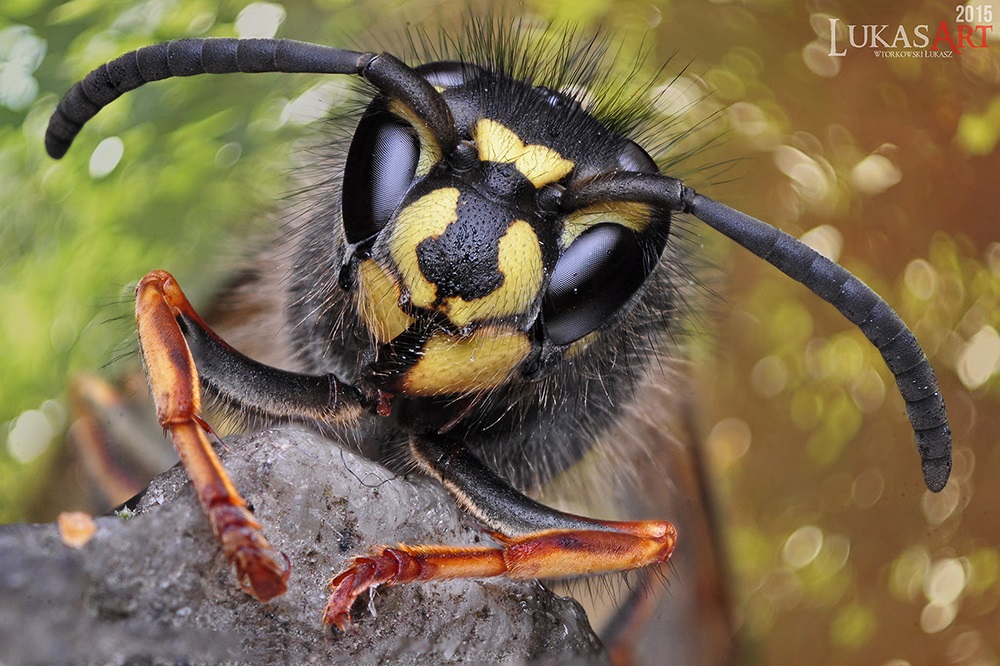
<point x="463" y="261"/>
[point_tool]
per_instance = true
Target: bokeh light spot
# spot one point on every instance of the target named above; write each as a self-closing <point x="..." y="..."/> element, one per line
<point x="259" y="19"/>
<point x="906" y="579"/>
<point x="106" y="156"/>
<point x="867" y="488"/>
<point x="945" y="581"/>
<point x="979" y="359"/>
<point x="826" y="240"/>
<point x="852" y="626"/>
<point x="938" y="506"/>
<point x="802" y="546"/>
<point x="769" y="376"/>
<point x="921" y="279"/>
<point x="30" y="435"/>
<point x="816" y="56"/>
<point x="875" y="174"/>
<point x="937" y="617"/>
<point x="729" y="441"/>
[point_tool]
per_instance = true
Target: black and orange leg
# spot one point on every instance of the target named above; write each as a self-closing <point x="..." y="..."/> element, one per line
<point x="172" y="337"/>
<point x="534" y="540"/>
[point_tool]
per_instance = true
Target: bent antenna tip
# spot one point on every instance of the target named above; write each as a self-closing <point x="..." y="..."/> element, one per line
<point x="936" y="472"/>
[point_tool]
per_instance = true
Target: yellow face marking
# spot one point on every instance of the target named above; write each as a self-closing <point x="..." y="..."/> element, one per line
<point x="378" y="302"/>
<point x="540" y="164"/>
<point x="430" y="151"/>
<point x="520" y="263"/>
<point x="478" y="362"/>
<point x="426" y="217"/>
<point x="634" y="216"/>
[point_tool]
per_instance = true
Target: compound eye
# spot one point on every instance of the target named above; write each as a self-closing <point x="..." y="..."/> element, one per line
<point x="380" y="169"/>
<point x="592" y="280"/>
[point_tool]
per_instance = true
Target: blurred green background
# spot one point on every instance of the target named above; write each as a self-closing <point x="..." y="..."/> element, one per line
<point x="888" y="164"/>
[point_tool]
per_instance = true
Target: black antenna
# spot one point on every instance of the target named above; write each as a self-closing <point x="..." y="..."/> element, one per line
<point x="830" y="281"/>
<point x="189" y="57"/>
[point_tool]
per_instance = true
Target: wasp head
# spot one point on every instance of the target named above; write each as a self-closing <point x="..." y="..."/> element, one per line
<point x="470" y="271"/>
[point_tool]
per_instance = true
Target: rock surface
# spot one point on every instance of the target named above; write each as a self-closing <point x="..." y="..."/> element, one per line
<point x="155" y="587"/>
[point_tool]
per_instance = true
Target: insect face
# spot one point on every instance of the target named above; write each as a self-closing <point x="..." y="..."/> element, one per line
<point x="468" y="268"/>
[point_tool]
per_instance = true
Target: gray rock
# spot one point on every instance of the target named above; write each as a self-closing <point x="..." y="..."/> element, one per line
<point x="155" y="588"/>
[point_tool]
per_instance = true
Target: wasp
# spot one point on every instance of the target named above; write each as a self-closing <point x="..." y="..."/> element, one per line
<point x="487" y="289"/>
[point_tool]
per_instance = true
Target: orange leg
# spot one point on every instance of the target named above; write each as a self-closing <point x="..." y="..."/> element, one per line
<point x="173" y="380"/>
<point x="535" y="541"/>
<point x="556" y="553"/>
<point x="97" y="451"/>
